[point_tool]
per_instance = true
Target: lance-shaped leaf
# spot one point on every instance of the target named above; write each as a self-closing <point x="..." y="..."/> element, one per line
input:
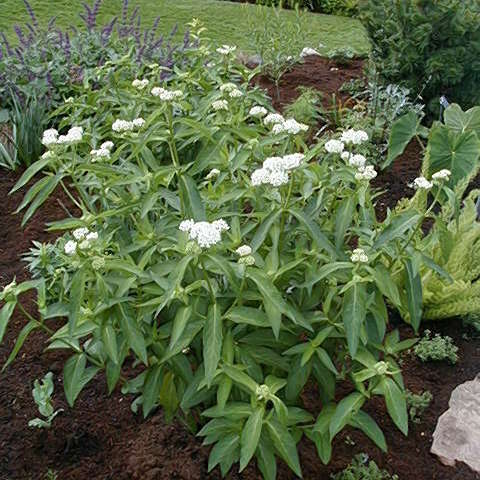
<point x="250" y="436"/>
<point x="212" y="342"/>
<point x="353" y="314"/>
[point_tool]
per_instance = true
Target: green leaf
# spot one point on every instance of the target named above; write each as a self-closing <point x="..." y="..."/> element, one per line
<point x="266" y="460"/>
<point x="30" y="172"/>
<point x="241" y="378"/>
<point x="151" y="388"/>
<point x="346" y="408"/>
<point x="398" y="226"/>
<point x="384" y="282"/>
<point x="262" y="231"/>
<point x="22" y="336"/>
<point x="369" y="427"/>
<point x="402" y="132"/>
<point x="134" y="335"/>
<point x="76" y="376"/>
<point x="212" y="342"/>
<point x="343" y="219"/>
<point x="396" y="404"/>
<point x="249" y="316"/>
<point x="353" y="314"/>
<point x="284" y="444"/>
<point x="251" y="436"/>
<point x="109" y="339"/>
<point x="325" y="271"/>
<point x="461" y="122"/>
<point x="180" y="321"/>
<point x="193" y="203"/>
<point x="224" y="447"/>
<point x="5" y="315"/>
<point x="413" y="284"/>
<point x="77" y="290"/>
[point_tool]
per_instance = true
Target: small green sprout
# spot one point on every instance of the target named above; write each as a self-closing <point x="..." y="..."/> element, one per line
<point x="42" y="394"/>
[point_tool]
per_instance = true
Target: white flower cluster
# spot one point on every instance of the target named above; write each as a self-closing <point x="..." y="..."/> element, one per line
<point x="442" y="175"/>
<point x="308" y="51"/>
<point x="214" y="172"/>
<point x="82" y="235"/>
<point x="357" y="161"/>
<point x="205" y="234"/>
<point x="166" y="95"/>
<point x="226" y="49"/>
<point x="51" y="137"/>
<point x="273" y="119"/>
<point x="290" y="126"/>
<point x="220" y="105"/>
<point x="257" y="111"/>
<point x="275" y="170"/>
<point x="355" y="137"/>
<point x="140" y="84"/>
<point x="231" y="89"/>
<point x="121" y="126"/>
<point x="359" y="256"/>
<point x="422" y="183"/>
<point x="366" y="173"/>
<point x="103" y="152"/>
<point x="245" y="254"/>
<point x="334" y="146"/>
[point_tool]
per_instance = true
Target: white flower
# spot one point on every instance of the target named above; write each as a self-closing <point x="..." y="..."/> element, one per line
<point x="357" y="161"/>
<point x="107" y="145"/>
<point x="100" y="154"/>
<point x="139" y="84"/>
<point x="235" y="93"/>
<point x="258" y="111"/>
<point x="204" y="233"/>
<point x="186" y="225"/>
<point x="244" y="251"/>
<point x="334" y="146"/>
<point x="226" y="49"/>
<point x="70" y="247"/>
<point x="138" y="122"/>
<point x="228" y="87"/>
<point x="166" y="95"/>
<point x="289" y="162"/>
<point x="422" y="183"/>
<point x="366" y="173"/>
<point x="289" y="126"/>
<point x="92" y="236"/>
<point x="122" y="126"/>
<point x="359" y="256"/>
<point x="213" y="173"/>
<point x="442" y="175"/>
<point x="273" y="118"/>
<point x="345" y="155"/>
<point x="74" y="135"/>
<point x="80" y="233"/>
<point x="308" y="51"/>
<point x="220" y="105"/>
<point x="356" y="137"/>
<point x="275" y="170"/>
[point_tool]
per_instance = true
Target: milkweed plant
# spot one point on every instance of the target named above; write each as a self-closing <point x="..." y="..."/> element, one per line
<point x="233" y="262"/>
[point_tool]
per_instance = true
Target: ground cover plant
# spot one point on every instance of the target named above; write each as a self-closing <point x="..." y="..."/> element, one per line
<point x="231" y="259"/>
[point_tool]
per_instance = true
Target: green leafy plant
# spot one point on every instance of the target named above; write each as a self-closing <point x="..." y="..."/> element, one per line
<point x="277" y="41"/>
<point x="42" y="394"/>
<point x="435" y="348"/>
<point x="307" y="108"/>
<point x="51" y="475"/>
<point x="216" y="251"/>
<point x="431" y="47"/>
<point x="417" y="403"/>
<point x="342" y="56"/>
<point x="362" y="468"/>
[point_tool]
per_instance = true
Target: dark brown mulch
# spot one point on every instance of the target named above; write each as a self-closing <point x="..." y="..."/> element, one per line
<point x="101" y="439"/>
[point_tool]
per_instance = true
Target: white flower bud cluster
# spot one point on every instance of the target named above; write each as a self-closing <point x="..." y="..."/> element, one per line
<point x="273" y="119"/>
<point x="245" y="254"/>
<point x="220" y="105"/>
<point x="214" y="172"/>
<point x="51" y="137"/>
<point x="166" y="95"/>
<point x="334" y="146"/>
<point x="366" y="173"/>
<point x="258" y="111"/>
<point x="205" y="234"/>
<point x="357" y="161"/>
<point x="275" y="170"/>
<point x="421" y="183"/>
<point x="355" y="137"/>
<point x="231" y="89"/>
<point x="226" y="49"/>
<point x="103" y="152"/>
<point x="83" y="240"/>
<point x="121" y="126"/>
<point x="290" y="126"/>
<point x="359" y="256"/>
<point x="140" y="84"/>
<point x="443" y="174"/>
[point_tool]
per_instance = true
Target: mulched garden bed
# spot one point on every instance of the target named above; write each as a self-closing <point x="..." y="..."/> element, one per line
<point x="102" y="439"/>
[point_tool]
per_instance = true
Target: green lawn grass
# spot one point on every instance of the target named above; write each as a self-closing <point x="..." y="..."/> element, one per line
<point x="226" y="22"/>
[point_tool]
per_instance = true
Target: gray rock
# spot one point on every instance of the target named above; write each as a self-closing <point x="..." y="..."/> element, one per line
<point x="457" y="435"/>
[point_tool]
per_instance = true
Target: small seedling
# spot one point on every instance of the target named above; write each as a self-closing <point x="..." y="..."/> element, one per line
<point x="436" y="348"/>
<point x="417" y="403"/>
<point x="42" y="394"/>
<point x="363" y="469"/>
